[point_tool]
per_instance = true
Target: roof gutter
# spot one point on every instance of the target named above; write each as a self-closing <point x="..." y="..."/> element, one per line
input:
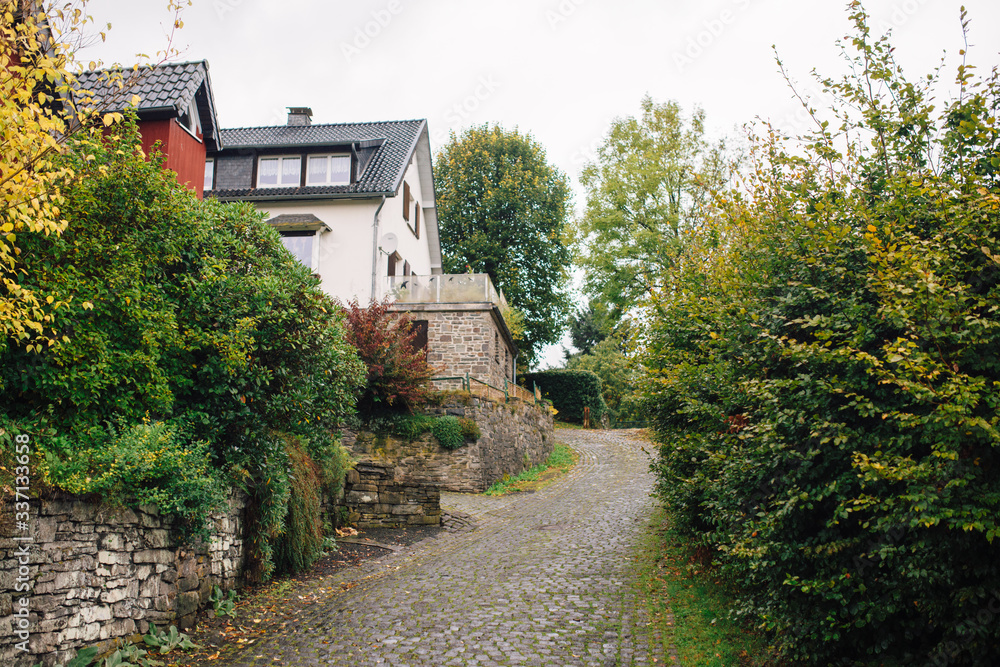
<point x="375" y="248"/>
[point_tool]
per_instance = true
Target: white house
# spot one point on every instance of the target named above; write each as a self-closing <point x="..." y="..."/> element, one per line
<point x="355" y="202"/>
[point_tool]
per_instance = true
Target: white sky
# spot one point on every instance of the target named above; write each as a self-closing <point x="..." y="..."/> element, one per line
<point x="559" y="69"/>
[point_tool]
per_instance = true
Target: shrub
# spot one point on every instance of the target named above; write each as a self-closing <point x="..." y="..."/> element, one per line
<point x="448" y="431"/>
<point x="824" y="378"/>
<point x="301" y="542"/>
<point x="570" y="392"/>
<point x="397" y="372"/>
<point x="470" y="429"/>
<point x="185" y="322"/>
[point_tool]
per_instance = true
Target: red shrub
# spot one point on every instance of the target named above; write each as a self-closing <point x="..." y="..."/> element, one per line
<point x="397" y="371"/>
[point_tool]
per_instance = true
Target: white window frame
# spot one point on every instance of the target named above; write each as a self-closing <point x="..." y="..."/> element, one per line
<point x="329" y="172"/>
<point x="314" y="250"/>
<point x="209" y="173"/>
<point x="281" y="162"/>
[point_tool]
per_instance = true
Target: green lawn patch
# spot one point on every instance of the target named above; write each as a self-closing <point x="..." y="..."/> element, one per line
<point x="690" y="604"/>
<point x="559" y="462"/>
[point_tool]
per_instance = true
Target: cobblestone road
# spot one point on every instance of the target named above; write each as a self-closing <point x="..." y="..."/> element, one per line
<point x="531" y="579"/>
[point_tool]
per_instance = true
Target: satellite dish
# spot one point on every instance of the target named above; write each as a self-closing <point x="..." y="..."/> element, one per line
<point x="388" y="243"/>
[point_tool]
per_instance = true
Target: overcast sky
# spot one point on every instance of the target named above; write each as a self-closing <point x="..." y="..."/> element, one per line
<point x="559" y="69"/>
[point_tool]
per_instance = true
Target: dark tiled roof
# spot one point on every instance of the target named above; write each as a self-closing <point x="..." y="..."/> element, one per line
<point x="391" y="144"/>
<point x="165" y="89"/>
<point x="294" y="219"/>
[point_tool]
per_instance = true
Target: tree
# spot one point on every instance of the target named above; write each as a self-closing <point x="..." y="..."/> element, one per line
<point x="503" y="211"/>
<point x="589" y="326"/>
<point x="648" y="188"/>
<point x="824" y="379"/>
<point x="617" y="372"/>
<point x="41" y="110"/>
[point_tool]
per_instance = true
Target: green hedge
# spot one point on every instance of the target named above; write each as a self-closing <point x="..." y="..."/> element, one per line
<point x="825" y="374"/>
<point x="570" y="392"/>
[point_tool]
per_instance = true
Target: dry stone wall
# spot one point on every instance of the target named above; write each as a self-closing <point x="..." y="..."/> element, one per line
<point x="515" y="437"/>
<point x="91" y="574"/>
<point x="375" y="499"/>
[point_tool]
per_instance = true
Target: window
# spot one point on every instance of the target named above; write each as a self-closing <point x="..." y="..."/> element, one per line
<point x="279" y="172"/>
<point x="406" y="201"/>
<point x="301" y="245"/>
<point x="420" y="328"/>
<point x="209" y="173"/>
<point x="329" y="170"/>
<point x="406" y="268"/>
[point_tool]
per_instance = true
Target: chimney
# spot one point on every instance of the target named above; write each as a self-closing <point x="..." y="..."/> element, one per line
<point x="299" y="116"/>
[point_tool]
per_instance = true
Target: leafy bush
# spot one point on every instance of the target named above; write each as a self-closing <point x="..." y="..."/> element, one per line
<point x="301" y="542"/>
<point x="147" y="463"/>
<point x="184" y="322"/>
<point x="448" y="431"/>
<point x="570" y="392"/>
<point x="398" y="373"/>
<point x="618" y="376"/>
<point x="470" y="429"/>
<point x="824" y="378"/>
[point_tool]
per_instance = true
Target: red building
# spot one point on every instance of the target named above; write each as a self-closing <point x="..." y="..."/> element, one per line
<point x="176" y="110"/>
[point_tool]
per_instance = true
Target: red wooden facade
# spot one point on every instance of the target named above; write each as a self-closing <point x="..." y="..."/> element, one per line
<point x="184" y="153"/>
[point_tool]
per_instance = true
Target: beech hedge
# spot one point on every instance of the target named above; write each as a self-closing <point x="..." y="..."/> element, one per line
<point x="825" y="376"/>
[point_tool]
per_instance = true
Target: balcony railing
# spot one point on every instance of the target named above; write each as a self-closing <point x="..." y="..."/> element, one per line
<point x="446" y="288"/>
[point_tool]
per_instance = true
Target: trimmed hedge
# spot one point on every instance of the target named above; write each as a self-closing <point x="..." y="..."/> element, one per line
<point x="570" y="392"/>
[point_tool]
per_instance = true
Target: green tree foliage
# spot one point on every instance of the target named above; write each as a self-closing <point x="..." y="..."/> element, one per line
<point x="646" y="191"/>
<point x="397" y="372"/>
<point x="189" y="340"/>
<point x="42" y="109"/>
<point x="589" y="326"/>
<point x="502" y="209"/>
<point x="825" y="379"/>
<point x="619" y="377"/>
<point x="570" y="392"/>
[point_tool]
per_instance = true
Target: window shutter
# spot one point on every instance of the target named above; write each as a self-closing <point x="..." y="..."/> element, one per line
<point x="406" y="201"/>
<point x="406" y="268"/>
<point x="416" y="221"/>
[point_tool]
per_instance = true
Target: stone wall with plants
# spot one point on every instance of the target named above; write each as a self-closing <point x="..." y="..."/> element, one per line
<point x="92" y="574"/>
<point x="498" y="439"/>
<point x="373" y="497"/>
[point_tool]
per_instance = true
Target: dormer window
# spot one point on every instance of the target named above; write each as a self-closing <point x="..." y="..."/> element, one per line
<point x="279" y="172"/>
<point x="329" y="170"/>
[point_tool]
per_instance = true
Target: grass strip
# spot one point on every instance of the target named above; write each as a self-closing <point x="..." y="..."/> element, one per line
<point x="559" y="462"/>
<point x="690" y="604"/>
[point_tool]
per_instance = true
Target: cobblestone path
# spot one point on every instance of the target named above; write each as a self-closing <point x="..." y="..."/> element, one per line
<point x="527" y="579"/>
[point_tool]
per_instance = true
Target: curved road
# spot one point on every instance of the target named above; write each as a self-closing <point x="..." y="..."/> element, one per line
<point x="532" y="579"/>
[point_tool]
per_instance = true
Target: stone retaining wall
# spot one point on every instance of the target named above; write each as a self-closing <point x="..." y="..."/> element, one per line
<point x="515" y="437"/>
<point x="374" y="498"/>
<point x="95" y="574"/>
